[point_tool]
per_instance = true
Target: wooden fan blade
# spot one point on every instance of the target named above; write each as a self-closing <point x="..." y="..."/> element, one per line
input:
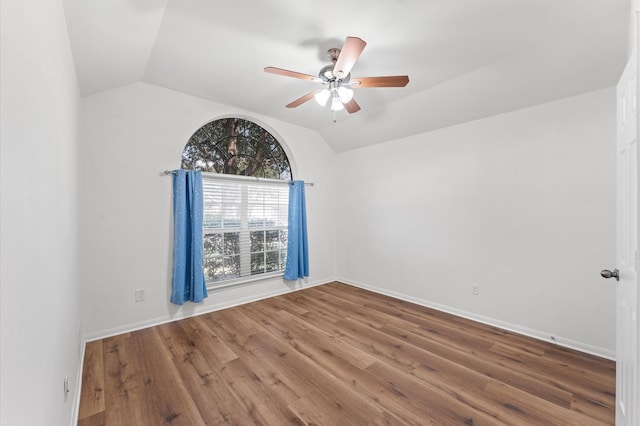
<point x="302" y="99"/>
<point x="349" y="54"/>
<point x="294" y="74"/>
<point x="352" y="106"/>
<point x="387" y="81"/>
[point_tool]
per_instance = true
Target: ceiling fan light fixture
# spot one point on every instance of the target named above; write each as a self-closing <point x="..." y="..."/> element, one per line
<point x="345" y="94"/>
<point x="322" y="97"/>
<point x="336" y="104"/>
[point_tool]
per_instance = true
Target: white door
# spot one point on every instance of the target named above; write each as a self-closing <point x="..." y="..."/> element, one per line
<point x="627" y="247"/>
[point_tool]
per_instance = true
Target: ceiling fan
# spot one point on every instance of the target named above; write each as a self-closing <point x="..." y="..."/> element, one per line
<point x="337" y="81"/>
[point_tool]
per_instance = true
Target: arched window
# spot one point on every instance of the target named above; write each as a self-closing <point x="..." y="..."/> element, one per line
<point x="235" y="146"/>
<point x="245" y="220"/>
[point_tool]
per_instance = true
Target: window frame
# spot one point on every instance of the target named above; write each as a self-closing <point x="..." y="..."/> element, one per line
<point x="245" y="256"/>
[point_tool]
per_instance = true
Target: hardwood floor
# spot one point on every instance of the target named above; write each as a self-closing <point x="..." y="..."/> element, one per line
<point x="339" y="355"/>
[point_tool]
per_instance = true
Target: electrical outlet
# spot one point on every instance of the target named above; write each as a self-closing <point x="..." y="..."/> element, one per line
<point x="66" y="387"/>
<point x="475" y="289"/>
<point x="140" y="295"/>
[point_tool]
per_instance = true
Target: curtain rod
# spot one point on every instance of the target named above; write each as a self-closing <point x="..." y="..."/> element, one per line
<point x="240" y="177"/>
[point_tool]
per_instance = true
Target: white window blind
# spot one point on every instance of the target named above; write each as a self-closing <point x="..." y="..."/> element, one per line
<point x="245" y="229"/>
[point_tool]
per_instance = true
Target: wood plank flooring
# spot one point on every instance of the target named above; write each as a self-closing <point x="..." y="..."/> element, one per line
<point x="339" y="355"/>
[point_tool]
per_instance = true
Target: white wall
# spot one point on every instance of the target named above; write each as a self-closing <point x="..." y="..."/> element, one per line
<point x="129" y="135"/>
<point x="39" y="303"/>
<point x="522" y="204"/>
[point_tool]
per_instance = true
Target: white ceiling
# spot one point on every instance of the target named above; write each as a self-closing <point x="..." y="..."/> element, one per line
<point x="466" y="59"/>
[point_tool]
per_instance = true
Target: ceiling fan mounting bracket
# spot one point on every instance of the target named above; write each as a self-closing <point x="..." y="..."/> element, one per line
<point x="333" y="54"/>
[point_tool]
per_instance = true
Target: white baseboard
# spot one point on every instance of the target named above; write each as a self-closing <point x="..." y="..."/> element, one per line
<point x="536" y="334"/>
<point x="210" y="308"/>
<point x="78" y="388"/>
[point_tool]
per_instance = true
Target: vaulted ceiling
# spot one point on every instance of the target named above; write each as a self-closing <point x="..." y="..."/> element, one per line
<point x="466" y="59"/>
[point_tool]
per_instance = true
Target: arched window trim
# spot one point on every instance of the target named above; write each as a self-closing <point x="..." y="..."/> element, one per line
<point x="279" y="139"/>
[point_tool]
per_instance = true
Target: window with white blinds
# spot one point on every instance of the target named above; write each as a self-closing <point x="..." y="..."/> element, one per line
<point x="245" y="229"/>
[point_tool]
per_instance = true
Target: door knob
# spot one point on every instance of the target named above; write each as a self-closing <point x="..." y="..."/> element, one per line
<point x="608" y="274"/>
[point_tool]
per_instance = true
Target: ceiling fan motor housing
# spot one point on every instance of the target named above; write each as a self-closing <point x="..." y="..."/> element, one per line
<point x="326" y="74"/>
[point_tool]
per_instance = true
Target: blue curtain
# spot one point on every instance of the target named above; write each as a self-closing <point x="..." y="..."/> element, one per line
<point x="297" y="244"/>
<point x="188" y="282"/>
